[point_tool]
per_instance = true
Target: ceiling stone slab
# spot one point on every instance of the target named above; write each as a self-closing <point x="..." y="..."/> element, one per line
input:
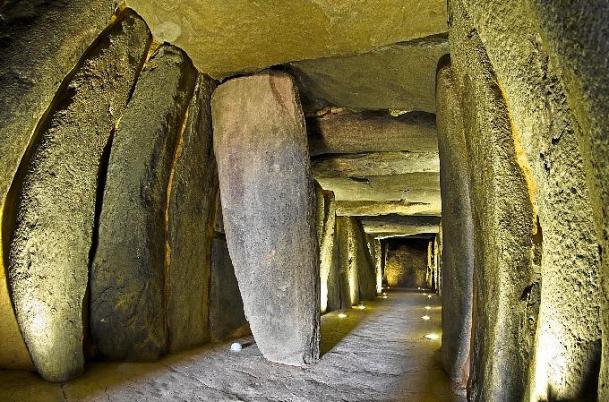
<point x="375" y="164"/>
<point x="401" y="76"/>
<point x="371" y="208"/>
<point x="226" y="37"/>
<point x="385" y="236"/>
<point x="400" y="225"/>
<point x="340" y="133"/>
<point x="412" y="187"/>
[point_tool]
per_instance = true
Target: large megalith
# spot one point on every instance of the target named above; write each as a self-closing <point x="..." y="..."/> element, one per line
<point x="269" y="214"/>
<point x="327" y="250"/>
<point x="192" y="195"/>
<point x="457" y="225"/>
<point x="365" y="266"/>
<point x="56" y="194"/>
<point x="128" y="298"/>
<point x="348" y="279"/>
<point x="42" y="41"/>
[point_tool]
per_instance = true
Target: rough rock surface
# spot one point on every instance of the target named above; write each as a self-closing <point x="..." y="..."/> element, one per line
<point x="420" y="187"/>
<point x="507" y="289"/>
<point x="328" y="273"/>
<point x="348" y="279"/>
<point x="56" y="200"/>
<point x="41" y="43"/>
<point x="576" y="39"/>
<point x="356" y="273"/>
<point x="376" y="208"/>
<point x="128" y="320"/>
<point x="376" y="251"/>
<point x="364" y="264"/>
<point x="377" y="354"/>
<point x="457" y="227"/>
<point x="226" y="316"/>
<point x="407" y="263"/>
<point x="190" y="210"/>
<point x="269" y="212"/>
<point x="400" y="225"/>
<point x="343" y="133"/>
<point x="223" y="38"/>
<point x="543" y="101"/>
<point x="375" y="164"/>
<point x="400" y="77"/>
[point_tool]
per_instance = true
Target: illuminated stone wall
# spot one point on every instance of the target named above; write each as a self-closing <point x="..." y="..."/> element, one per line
<point x="406" y="265"/>
<point x="457" y="248"/>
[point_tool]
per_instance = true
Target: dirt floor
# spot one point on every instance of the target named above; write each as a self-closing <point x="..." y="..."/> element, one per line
<point x="380" y="353"/>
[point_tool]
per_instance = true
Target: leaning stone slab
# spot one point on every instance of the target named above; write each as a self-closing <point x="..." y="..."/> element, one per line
<point x="56" y="201"/>
<point x="269" y="212"/>
<point x="128" y="274"/>
<point x="42" y="42"/>
<point x="190" y="210"/>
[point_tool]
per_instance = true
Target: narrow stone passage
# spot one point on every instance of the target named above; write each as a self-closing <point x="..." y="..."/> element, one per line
<point x="380" y="353"/>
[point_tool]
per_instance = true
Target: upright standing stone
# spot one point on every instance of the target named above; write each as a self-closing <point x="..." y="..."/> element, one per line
<point x="347" y="269"/>
<point x="56" y="201"/>
<point x="190" y="210"/>
<point x="268" y="206"/>
<point x="365" y="265"/>
<point x="128" y="273"/>
<point x="42" y="41"/>
<point x="506" y="296"/>
<point x="327" y="248"/>
<point x="458" y="247"/>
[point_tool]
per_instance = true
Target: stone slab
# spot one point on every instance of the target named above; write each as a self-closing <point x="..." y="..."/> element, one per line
<point x="401" y="76"/>
<point x="457" y="230"/>
<point x="419" y="187"/>
<point x="224" y="38"/>
<point x="41" y="43"/>
<point x="376" y="208"/>
<point x="193" y="187"/>
<point x="375" y="164"/>
<point x="128" y="318"/>
<point x="269" y="212"/>
<point x="56" y="200"/>
<point x="345" y="132"/>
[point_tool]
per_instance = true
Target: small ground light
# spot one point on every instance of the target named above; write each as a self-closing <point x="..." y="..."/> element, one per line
<point x="342" y="315"/>
<point x="426" y="317"/>
<point x="427" y="308"/>
<point x="429" y="296"/>
<point x="384" y="296"/>
<point x="360" y="307"/>
<point x="432" y="337"/>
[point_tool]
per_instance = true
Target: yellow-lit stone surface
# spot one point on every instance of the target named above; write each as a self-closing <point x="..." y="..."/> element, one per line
<point x="224" y="37"/>
<point x="41" y="43"/>
<point x="400" y="77"/>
